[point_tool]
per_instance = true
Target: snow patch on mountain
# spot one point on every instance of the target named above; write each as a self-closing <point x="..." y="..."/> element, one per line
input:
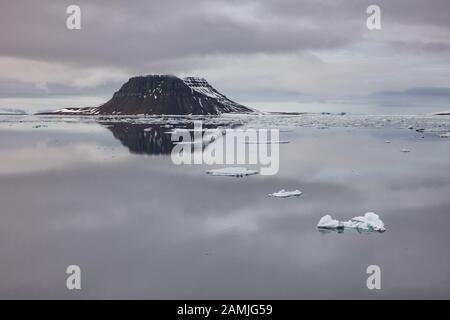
<point x="201" y="86"/>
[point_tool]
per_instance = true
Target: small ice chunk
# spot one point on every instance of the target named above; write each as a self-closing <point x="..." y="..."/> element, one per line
<point x="370" y="222"/>
<point x="195" y="142"/>
<point x="387" y="141"/>
<point x="406" y="150"/>
<point x="285" y="194"/>
<point x="327" y="222"/>
<point x="267" y="142"/>
<point x="232" y="172"/>
<point x="445" y="135"/>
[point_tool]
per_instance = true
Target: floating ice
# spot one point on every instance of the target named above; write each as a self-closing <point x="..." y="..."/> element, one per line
<point x="189" y="142"/>
<point x="232" y="172"/>
<point x="370" y="222"/>
<point x="267" y="142"/>
<point x="327" y="222"/>
<point x="285" y="194"/>
<point x="405" y="150"/>
<point x="445" y="135"/>
<point x="431" y="123"/>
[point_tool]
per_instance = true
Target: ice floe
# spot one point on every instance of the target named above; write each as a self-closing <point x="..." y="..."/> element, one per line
<point x="232" y="172"/>
<point x="370" y="222"/>
<point x="405" y="150"/>
<point x="327" y="222"/>
<point x="267" y="142"/>
<point x="431" y="123"/>
<point x="285" y="194"/>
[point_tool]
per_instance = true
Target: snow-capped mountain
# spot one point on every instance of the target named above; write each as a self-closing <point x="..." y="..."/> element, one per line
<point x="164" y="94"/>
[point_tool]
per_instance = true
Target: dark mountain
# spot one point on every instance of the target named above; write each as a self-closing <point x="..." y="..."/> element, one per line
<point x="164" y="94"/>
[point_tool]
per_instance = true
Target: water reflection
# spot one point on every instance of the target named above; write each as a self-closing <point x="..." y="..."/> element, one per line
<point x="142" y="138"/>
<point x="328" y="231"/>
<point x="145" y="228"/>
<point x="154" y="139"/>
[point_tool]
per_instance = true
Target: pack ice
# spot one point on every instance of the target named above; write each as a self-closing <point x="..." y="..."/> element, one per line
<point x="232" y="172"/>
<point x="285" y="194"/>
<point x="267" y="142"/>
<point x="370" y="222"/>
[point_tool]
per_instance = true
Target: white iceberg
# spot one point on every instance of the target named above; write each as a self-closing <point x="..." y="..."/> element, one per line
<point x="327" y="222"/>
<point x="232" y="172"/>
<point x="285" y="194"/>
<point x="405" y="150"/>
<point x="370" y="222"/>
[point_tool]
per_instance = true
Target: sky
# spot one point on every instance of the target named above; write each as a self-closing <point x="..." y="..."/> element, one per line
<point x="280" y="55"/>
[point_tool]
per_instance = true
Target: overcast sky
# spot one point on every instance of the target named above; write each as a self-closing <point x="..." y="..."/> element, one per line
<point x="269" y="54"/>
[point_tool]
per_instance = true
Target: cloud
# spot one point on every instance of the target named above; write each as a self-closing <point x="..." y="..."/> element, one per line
<point x="432" y="92"/>
<point x="139" y="34"/>
<point x="247" y="47"/>
<point x="43" y="72"/>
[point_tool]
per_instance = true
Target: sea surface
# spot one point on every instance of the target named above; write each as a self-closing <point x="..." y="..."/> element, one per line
<point x="102" y="193"/>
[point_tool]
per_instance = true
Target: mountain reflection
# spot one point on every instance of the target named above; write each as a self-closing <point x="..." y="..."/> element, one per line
<point x="142" y="138"/>
<point x="148" y="138"/>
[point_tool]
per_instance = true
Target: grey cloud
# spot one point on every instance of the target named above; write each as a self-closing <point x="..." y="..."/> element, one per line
<point x="420" y="46"/>
<point x="142" y="34"/>
<point x="425" y="91"/>
<point x="12" y="89"/>
<point x="417" y="12"/>
<point x="185" y="37"/>
<point x="427" y="98"/>
<point x="137" y="34"/>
